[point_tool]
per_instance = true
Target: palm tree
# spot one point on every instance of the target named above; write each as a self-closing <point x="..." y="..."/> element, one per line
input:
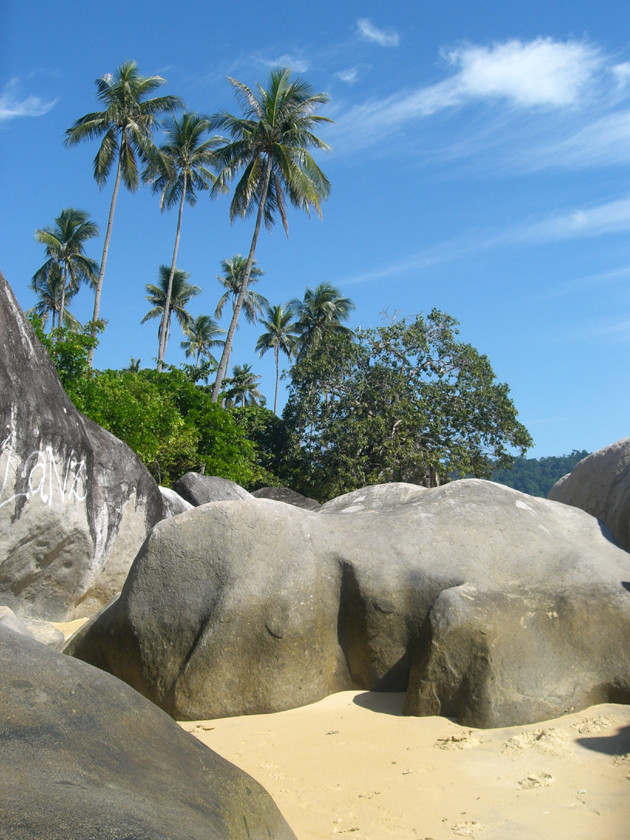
<point x="126" y="127"/>
<point x="67" y="265"/>
<point x="234" y="274"/>
<point x="179" y="170"/>
<point x="279" y="336"/>
<point x="270" y="144"/>
<point x="48" y="288"/>
<point x="182" y="292"/>
<point x="201" y="335"/>
<point x="319" y="315"/>
<point x="243" y="386"/>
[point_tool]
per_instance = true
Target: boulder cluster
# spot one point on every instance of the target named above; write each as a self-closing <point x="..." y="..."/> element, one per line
<point x="481" y="603"/>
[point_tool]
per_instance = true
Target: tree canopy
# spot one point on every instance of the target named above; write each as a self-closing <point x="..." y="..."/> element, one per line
<point x="405" y="402"/>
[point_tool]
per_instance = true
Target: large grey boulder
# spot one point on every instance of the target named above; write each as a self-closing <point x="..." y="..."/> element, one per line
<point x="488" y="605"/>
<point x="198" y="489"/>
<point x="600" y="485"/>
<point x="33" y="628"/>
<point x="84" y="756"/>
<point x="75" y="503"/>
<point x="288" y="496"/>
<point x="173" y="502"/>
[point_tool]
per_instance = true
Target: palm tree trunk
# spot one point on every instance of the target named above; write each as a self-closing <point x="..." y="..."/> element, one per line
<point x="276" y="353"/>
<point x="169" y="288"/>
<point x="101" y="273"/>
<point x="63" y="296"/>
<point x="227" y="347"/>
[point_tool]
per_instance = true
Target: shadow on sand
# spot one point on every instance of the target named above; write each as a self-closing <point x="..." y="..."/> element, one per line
<point x="386" y="703"/>
<point x="618" y="744"/>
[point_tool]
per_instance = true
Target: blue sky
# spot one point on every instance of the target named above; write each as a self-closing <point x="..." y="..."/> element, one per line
<point x="480" y="165"/>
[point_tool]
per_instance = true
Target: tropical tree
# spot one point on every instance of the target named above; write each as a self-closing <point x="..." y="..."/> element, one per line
<point x="126" y="127"/>
<point x="407" y="401"/>
<point x="67" y="265"/>
<point x="270" y="142"/>
<point x="48" y="288"/>
<point x="243" y="387"/>
<point x="279" y="337"/>
<point x="232" y="280"/>
<point x="182" y="292"/>
<point x="201" y="336"/>
<point x="178" y="170"/>
<point x="319" y="316"/>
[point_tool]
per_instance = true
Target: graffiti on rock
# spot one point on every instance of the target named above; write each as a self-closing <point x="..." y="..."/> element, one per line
<point x="46" y="478"/>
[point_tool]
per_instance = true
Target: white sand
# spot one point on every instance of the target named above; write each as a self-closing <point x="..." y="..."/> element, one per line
<point x="352" y="764"/>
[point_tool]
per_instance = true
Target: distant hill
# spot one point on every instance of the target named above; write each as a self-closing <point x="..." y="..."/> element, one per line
<point x="536" y="476"/>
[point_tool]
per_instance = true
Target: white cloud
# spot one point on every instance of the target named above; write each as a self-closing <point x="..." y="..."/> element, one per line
<point x="11" y="106"/>
<point x="349" y="76"/>
<point x="610" y="217"/>
<point x="541" y="72"/>
<point x="547" y="75"/>
<point x="297" y="65"/>
<point x="621" y="72"/>
<point x="382" y="37"/>
<point x="604" y="141"/>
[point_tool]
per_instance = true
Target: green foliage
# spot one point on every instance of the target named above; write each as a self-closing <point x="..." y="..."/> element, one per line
<point x="405" y="402"/>
<point x="171" y="423"/>
<point x="69" y="350"/>
<point x="537" y="476"/>
<point x="271" y="439"/>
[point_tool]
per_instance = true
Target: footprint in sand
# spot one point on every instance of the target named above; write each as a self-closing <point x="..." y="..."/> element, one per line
<point x="591" y="725"/>
<point x="547" y="740"/>
<point x="535" y="780"/>
<point x="458" y="741"/>
<point x="467" y="829"/>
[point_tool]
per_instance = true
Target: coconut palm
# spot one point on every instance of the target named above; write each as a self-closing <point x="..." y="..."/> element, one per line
<point x="201" y="336"/>
<point x="270" y="143"/>
<point x="279" y="337"/>
<point x="126" y="127"/>
<point x="232" y="280"/>
<point x="243" y="387"/>
<point x="178" y="170"/>
<point x="182" y="292"/>
<point x="67" y="266"/>
<point x="319" y="315"/>
<point x="48" y="288"/>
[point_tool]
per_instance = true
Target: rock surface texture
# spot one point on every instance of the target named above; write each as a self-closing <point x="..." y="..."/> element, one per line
<point x="288" y="496"/>
<point x="84" y="756"/>
<point x="173" y="502"/>
<point x="200" y="489"/>
<point x="75" y="503"/>
<point x="600" y="485"/>
<point x="485" y="604"/>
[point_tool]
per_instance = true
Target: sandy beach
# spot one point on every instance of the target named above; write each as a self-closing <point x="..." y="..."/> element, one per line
<point x="353" y="765"/>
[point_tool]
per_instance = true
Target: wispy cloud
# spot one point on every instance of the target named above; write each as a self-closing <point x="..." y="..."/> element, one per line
<point x="605" y="218"/>
<point x="382" y="37"/>
<point x="542" y="76"/>
<point x="349" y="76"/>
<point x="608" y="217"/>
<point x="11" y="106"/>
<point x="542" y="72"/>
<point x="297" y="63"/>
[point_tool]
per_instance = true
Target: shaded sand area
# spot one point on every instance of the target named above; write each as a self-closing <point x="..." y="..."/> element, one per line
<point x="353" y="765"/>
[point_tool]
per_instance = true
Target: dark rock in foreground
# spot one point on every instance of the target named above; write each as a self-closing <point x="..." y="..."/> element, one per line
<point x="600" y="485"/>
<point x="198" y="489"/>
<point x="84" y="757"/>
<point x="75" y="503"/>
<point x="288" y="496"/>
<point x="486" y="604"/>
